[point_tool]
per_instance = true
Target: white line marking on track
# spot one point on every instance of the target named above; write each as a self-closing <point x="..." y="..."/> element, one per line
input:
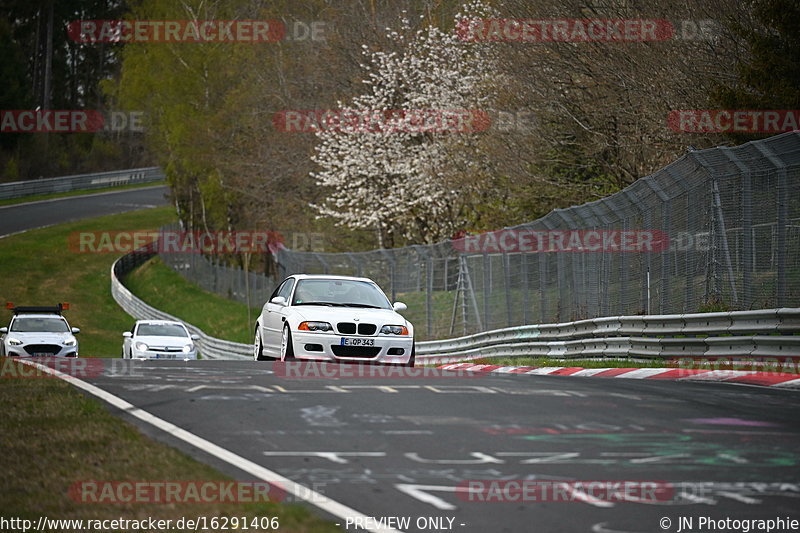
<point x="420" y="492"/>
<point x="334" y="457"/>
<point x="311" y="496"/>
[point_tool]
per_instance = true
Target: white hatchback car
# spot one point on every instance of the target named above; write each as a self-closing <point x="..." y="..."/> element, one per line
<point x="158" y="339"/>
<point x="333" y="318"/>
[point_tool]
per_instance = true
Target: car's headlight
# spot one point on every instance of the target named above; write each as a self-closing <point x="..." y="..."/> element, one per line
<point x="394" y="330"/>
<point x="188" y="348"/>
<point x="315" y="326"/>
<point x="14" y="342"/>
<point x="70" y="342"/>
<point x="142" y="347"/>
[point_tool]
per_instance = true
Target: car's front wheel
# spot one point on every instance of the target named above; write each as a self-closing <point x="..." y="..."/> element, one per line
<point x="412" y="358"/>
<point x="287" y="350"/>
<point x="258" y="348"/>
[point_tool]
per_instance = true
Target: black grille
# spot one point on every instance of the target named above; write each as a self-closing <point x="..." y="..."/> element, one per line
<point x="367" y="329"/>
<point x="50" y="349"/>
<point x="355" y="351"/>
<point x="346" y="327"/>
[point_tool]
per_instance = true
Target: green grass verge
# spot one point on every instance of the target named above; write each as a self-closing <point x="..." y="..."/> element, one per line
<point x="38" y="268"/>
<point x="38" y="197"/>
<point x="53" y="436"/>
<point x="163" y="288"/>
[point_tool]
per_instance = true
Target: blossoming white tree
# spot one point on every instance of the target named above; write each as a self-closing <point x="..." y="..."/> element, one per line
<point x="404" y="179"/>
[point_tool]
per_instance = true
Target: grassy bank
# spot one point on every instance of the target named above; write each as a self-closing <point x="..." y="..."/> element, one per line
<point x="54" y="436"/>
<point x="163" y="288"/>
<point x="38" y="268"/>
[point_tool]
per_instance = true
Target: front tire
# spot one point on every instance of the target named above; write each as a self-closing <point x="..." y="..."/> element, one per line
<point x="287" y="350"/>
<point x="411" y="360"/>
<point x="258" y="348"/>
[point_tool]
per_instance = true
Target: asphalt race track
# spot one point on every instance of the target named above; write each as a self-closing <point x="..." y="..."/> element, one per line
<point x="22" y="217"/>
<point x="408" y="446"/>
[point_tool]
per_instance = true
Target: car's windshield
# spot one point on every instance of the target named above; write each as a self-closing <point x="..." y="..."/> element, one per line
<point x="339" y="292"/>
<point x="161" y="330"/>
<point x="39" y="324"/>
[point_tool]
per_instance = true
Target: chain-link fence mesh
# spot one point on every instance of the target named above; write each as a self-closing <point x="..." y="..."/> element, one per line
<point x="731" y="218"/>
<point x="213" y="275"/>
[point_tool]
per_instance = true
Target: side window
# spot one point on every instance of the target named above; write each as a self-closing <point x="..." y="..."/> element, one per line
<point x="286" y="288"/>
<point x="278" y="289"/>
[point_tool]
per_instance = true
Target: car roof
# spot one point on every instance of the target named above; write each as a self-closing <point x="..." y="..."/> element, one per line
<point x="157" y="322"/>
<point x="330" y="276"/>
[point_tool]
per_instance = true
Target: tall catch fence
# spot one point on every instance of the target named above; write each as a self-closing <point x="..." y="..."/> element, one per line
<point x="716" y="229"/>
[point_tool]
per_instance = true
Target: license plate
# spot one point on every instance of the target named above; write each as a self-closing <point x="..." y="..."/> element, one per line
<point x="41" y="354"/>
<point x="348" y="341"/>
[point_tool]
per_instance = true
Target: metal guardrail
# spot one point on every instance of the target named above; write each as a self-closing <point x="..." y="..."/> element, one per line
<point x="97" y="180"/>
<point x="767" y="333"/>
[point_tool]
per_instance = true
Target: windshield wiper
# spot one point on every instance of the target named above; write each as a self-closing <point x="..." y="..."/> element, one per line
<point x="368" y="306"/>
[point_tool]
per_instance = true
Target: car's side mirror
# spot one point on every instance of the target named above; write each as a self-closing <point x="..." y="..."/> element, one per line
<point x="127" y="334"/>
<point x="399" y="306"/>
<point x="75" y="331"/>
<point x="194" y="337"/>
<point x="3" y="330"/>
<point x="278" y="300"/>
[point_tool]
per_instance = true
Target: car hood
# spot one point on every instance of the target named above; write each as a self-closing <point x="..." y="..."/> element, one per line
<point x="39" y="337"/>
<point x="349" y="314"/>
<point x="157" y="340"/>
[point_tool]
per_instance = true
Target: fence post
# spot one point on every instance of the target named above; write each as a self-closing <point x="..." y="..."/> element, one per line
<point x="429" y="296"/>
<point x="507" y="287"/>
<point x="543" y="287"/>
<point x="526" y="303"/>
<point x="748" y="253"/>
<point x="782" y="201"/>
<point x="486" y="289"/>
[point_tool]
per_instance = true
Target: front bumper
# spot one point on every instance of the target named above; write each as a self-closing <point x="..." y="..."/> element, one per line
<point x="391" y="349"/>
<point x="158" y="354"/>
<point x="40" y="350"/>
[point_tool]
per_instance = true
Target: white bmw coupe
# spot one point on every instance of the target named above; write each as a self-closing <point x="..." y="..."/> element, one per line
<point x="333" y="318"/>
